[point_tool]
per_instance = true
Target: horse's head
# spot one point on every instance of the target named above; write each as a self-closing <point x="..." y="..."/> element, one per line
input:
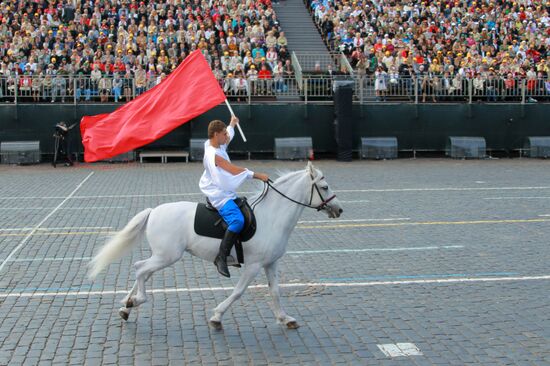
<point x="322" y="197"/>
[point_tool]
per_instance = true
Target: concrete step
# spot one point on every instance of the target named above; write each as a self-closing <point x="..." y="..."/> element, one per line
<point x="300" y="29"/>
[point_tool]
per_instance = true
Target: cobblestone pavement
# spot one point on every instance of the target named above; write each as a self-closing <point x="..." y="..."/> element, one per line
<point x="449" y="256"/>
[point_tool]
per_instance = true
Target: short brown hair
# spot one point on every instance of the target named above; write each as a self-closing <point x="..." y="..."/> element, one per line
<point x="215" y="126"/>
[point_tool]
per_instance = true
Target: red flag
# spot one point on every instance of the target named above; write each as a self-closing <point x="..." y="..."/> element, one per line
<point x="190" y="90"/>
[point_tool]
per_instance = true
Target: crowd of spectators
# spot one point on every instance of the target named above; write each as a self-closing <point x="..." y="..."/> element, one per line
<point x="437" y="40"/>
<point x="115" y="48"/>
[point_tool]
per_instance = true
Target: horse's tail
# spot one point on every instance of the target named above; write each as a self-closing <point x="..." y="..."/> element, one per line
<point x="119" y="243"/>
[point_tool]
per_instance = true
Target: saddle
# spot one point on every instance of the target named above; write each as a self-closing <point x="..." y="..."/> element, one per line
<point x="208" y="222"/>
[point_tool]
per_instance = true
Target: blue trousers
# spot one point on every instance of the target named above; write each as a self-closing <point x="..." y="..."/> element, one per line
<point x="232" y="216"/>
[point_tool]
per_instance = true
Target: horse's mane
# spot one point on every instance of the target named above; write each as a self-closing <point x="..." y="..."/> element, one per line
<point x="283" y="176"/>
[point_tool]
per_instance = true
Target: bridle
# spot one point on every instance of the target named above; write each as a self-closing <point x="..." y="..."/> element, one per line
<point x="319" y="207"/>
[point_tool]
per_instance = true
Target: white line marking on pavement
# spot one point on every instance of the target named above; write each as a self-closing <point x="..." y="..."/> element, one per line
<point x="544" y="215"/>
<point x="373" y="250"/>
<point x="399" y="349"/>
<point x="55" y="228"/>
<point x="517" y="198"/>
<point x="285" y="285"/>
<point x="144" y="195"/>
<point x="354" y="220"/>
<point x="62" y="208"/>
<point x="106" y="196"/>
<point x="26" y="238"/>
<point x="296" y="252"/>
<point x="50" y="259"/>
<point x="355" y="201"/>
<point x="397" y="224"/>
<point x="442" y="189"/>
<point x="337" y="191"/>
<point x="324" y="226"/>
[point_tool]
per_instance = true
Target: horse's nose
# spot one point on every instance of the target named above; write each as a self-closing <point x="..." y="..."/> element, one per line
<point x="340" y="211"/>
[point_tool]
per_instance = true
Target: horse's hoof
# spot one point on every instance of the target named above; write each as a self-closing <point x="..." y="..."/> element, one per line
<point x="124" y="313"/>
<point x="217" y="325"/>
<point x="292" y="325"/>
<point x="130" y="303"/>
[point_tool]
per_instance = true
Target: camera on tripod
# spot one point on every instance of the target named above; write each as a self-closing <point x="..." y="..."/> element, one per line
<point x="61" y="130"/>
<point x="61" y="148"/>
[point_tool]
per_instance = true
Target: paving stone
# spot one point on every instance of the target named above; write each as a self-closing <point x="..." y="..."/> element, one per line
<point x="425" y="203"/>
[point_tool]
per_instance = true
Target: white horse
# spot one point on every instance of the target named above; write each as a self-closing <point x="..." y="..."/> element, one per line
<point x="169" y="231"/>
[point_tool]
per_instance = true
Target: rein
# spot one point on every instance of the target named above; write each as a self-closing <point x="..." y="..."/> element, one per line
<point x="322" y="205"/>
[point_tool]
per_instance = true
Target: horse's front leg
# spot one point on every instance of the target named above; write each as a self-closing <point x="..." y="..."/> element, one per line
<point x="273" y="281"/>
<point x="250" y="271"/>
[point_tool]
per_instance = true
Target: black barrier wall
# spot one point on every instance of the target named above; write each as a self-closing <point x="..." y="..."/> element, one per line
<point x="418" y="127"/>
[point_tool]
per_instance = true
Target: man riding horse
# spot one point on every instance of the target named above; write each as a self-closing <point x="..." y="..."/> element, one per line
<point x="219" y="182"/>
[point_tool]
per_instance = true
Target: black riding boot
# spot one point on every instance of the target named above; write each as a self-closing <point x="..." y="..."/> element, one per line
<point x="227" y="243"/>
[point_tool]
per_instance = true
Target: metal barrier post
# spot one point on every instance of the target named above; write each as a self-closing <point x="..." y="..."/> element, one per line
<point x="361" y="89"/>
<point x="415" y="90"/>
<point x="249" y="91"/>
<point x="523" y="85"/>
<point x="470" y="90"/>
<point x="74" y="90"/>
<point x="16" y="88"/>
<point x="305" y="89"/>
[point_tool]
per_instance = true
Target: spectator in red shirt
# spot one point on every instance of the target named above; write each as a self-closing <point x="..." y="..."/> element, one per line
<point x="264" y="80"/>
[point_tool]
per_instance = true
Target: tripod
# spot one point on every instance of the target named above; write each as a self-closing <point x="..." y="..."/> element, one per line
<point x="61" y="150"/>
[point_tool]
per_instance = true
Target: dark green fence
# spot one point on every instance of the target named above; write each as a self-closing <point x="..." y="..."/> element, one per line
<point x="417" y="127"/>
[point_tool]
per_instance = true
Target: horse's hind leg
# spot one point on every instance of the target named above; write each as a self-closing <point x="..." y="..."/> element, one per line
<point x="247" y="276"/>
<point x="145" y="270"/>
<point x="273" y="281"/>
<point x="124" y="311"/>
<point x="127" y="301"/>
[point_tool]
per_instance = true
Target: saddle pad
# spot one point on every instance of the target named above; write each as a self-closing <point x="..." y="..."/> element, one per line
<point x="209" y="223"/>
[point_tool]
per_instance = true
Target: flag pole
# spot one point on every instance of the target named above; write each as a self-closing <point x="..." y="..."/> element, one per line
<point x="233" y="114"/>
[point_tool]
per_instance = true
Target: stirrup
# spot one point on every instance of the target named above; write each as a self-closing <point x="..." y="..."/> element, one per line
<point x="233" y="262"/>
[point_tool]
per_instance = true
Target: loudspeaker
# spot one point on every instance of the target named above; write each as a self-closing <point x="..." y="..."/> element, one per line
<point x="537" y="146"/>
<point x="20" y="152"/>
<point x="293" y="148"/>
<point x="196" y="149"/>
<point x="466" y="147"/>
<point x="343" y="96"/>
<point x="379" y="148"/>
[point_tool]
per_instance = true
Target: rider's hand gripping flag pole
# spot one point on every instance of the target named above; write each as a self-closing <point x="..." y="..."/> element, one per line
<point x="238" y="125"/>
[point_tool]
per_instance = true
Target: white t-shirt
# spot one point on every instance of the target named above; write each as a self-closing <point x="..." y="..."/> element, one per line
<point x="217" y="184"/>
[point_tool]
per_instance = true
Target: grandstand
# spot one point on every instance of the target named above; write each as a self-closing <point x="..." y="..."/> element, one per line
<point x="289" y="51"/>
<point x="419" y="71"/>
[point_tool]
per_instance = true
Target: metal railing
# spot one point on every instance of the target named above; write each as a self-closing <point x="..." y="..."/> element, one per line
<point x="308" y="61"/>
<point x="430" y="89"/>
<point x="67" y="89"/>
<point x="245" y="90"/>
<point x="303" y="88"/>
